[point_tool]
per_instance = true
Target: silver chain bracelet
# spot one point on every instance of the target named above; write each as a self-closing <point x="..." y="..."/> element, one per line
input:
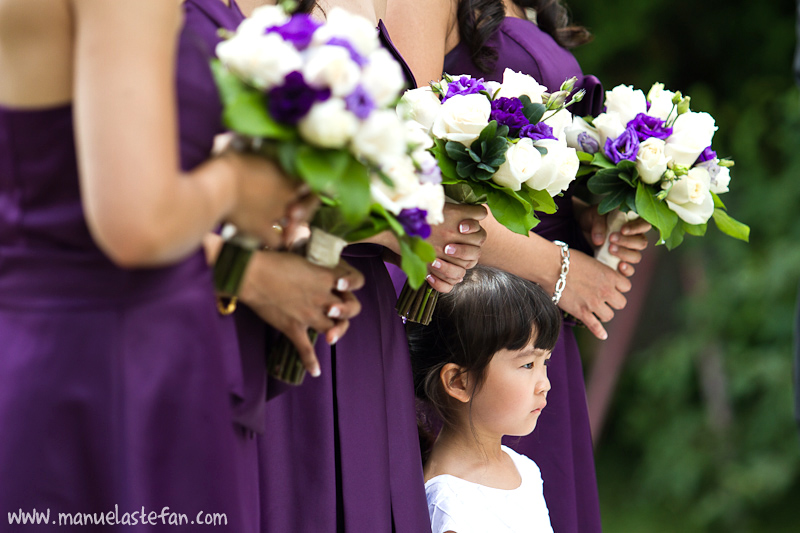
<point x="562" y="278"/>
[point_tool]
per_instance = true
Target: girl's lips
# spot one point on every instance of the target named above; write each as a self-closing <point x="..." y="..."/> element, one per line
<point x="539" y="409"/>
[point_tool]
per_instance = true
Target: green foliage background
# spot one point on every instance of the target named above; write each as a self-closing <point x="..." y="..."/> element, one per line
<point x="701" y="435"/>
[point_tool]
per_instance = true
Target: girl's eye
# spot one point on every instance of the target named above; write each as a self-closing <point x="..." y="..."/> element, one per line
<point x="528" y="366"/>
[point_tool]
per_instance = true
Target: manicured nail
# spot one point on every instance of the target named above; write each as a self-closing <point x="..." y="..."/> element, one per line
<point x="449" y="249"/>
<point x="342" y="285"/>
<point x="614" y="237"/>
<point x="626" y="231"/>
<point x="598" y="237"/>
<point x="463" y="227"/>
<point x="613" y="248"/>
<point x="603" y="336"/>
<point x="315" y="372"/>
<point x="429" y="278"/>
<point x="436" y="264"/>
<point x="334" y="312"/>
<point x="334" y="340"/>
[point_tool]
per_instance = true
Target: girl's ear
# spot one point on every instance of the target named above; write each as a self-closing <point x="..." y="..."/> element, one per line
<point x="455" y="382"/>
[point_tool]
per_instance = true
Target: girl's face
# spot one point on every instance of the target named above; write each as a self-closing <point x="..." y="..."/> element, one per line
<point x="514" y="393"/>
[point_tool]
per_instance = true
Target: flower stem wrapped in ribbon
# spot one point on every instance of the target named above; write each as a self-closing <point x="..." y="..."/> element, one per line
<point x="651" y="157"/>
<point x="499" y="144"/>
<point x="319" y="98"/>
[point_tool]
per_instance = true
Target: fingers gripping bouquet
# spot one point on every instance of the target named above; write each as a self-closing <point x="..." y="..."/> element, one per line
<point x="652" y="157"/>
<point x="499" y="144"/>
<point x="319" y="98"/>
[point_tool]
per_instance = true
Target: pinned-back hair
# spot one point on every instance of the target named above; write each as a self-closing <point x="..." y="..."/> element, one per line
<point x="478" y="20"/>
<point x="491" y="310"/>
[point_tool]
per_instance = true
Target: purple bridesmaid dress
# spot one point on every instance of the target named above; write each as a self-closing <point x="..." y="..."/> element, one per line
<point x="117" y="386"/>
<point x="562" y="443"/>
<point x="341" y="452"/>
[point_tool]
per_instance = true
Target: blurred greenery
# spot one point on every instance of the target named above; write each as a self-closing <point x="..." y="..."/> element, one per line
<point x="701" y="436"/>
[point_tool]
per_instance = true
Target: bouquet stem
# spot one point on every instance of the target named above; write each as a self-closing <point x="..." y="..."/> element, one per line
<point x="231" y="263"/>
<point x="283" y="362"/>
<point x="417" y="305"/>
<point x="616" y="219"/>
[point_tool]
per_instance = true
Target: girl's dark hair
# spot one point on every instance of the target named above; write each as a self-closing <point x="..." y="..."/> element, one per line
<point x="305" y="6"/>
<point x="489" y="311"/>
<point x="478" y="21"/>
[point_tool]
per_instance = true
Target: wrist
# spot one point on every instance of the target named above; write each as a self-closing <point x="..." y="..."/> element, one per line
<point x="561" y="282"/>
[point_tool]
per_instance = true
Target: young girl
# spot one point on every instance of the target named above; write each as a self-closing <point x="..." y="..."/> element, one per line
<point x="481" y="365"/>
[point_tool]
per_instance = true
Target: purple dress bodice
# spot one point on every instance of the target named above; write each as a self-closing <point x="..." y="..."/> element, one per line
<point x="115" y="384"/>
<point x="561" y="444"/>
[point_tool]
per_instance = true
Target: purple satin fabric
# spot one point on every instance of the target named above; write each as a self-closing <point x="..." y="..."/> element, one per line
<point x="340" y="452"/>
<point x="115" y="384"/>
<point x="561" y="444"/>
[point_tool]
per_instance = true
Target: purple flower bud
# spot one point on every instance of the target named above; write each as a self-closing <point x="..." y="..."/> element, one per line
<point x="413" y="221"/>
<point x="298" y="30"/>
<point x="360" y="102"/>
<point x="537" y="132"/>
<point x="626" y="146"/>
<point x="508" y="112"/>
<point x="464" y="85"/>
<point x="707" y="155"/>
<point x="347" y="45"/>
<point x="429" y="172"/>
<point x="646" y="126"/>
<point x="588" y="144"/>
<point x="290" y="102"/>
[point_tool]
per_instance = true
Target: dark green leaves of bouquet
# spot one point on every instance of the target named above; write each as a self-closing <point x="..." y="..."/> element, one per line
<point x="483" y="157"/>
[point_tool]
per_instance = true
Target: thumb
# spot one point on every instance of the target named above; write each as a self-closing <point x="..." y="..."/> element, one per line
<point x="299" y="337"/>
<point x="598" y="230"/>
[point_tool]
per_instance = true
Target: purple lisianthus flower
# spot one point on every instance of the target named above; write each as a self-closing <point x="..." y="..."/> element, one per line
<point x="298" y="30"/>
<point x="537" y="132"/>
<point x="413" y="221"/>
<point x="464" y="85"/>
<point x="707" y="155"/>
<point x="290" y="102"/>
<point x="429" y="172"/>
<point x="508" y="112"/>
<point x="360" y="102"/>
<point x="588" y="144"/>
<point x="626" y="146"/>
<point x="646" y="126"/>
<point x="347" y="45"/>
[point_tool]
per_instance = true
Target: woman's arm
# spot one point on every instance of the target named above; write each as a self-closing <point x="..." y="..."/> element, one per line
<point x="139" y="207"/>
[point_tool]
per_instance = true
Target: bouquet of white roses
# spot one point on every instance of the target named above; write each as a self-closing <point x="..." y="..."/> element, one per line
<point x="499" y="144"/>
<point x="319" y="98"/>
<point x="651" y="156"/>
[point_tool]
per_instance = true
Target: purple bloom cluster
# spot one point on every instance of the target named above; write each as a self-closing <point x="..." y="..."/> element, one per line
<point x="360" y="102"/>
<point x="508" y="112"/>
<point x="707" y="155"/>
<point x="626" y="146"/>
<point x="298" y="30"/>
<point x="413" y="221"/>
<point x="463" y="86"/>
<point x="357" y="58"/>
<point x="290" y="102"/>
<point x="646" y="126"/>
<point x="537" y="132"/>
<point x="588" y="144"/>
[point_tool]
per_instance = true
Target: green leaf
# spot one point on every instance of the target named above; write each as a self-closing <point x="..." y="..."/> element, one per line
<point x="675" y="238"/>
<point x="511" y="211"/>
<point x="391" y="220"/>
<point x="446" y="164"/>
<point x="472" y="193"/>
<point x="321" y="169"/>
<point x="606" y="181"/>
<point x="717" y="201"/>
<point x="584" y="157"/>
<point x="534" y="112"/>
<point x="698" y="230"/>
<point x="540" y="200"/>
<point x="415" y="256"/>
<point x="373" y="226"/>
<point x="602" y="161"/>
<point x="456" y="151"/>
<point x="352" y="192"/>
<point x="612" y="201"/>
<point x="655" y="212"/>
<point x="730" y="226"/>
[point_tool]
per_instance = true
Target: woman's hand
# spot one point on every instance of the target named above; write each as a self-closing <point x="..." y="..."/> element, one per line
<point x="627" y="244"/>
<point x="292" y="295"/>
<point x="457" y="242"/>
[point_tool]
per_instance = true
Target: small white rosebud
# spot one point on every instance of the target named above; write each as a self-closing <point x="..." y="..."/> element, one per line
<point x="683" y="106"/>
<point x="728" y="163"/>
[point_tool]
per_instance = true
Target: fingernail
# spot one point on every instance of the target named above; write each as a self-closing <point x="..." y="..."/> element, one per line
<point x="298" y="214"/>
<point x="598" y="237"/>
<point x="334" y="340"/>
<point x="603" y="336"/>
<point x="436" y="264"/>
<point x="614" y="237"/>
<point x="613" y="248"/>
<point x="429" y="278"/>
<point x="626" y="231"/>
<point x="449" y="249"/>
<point x="334" y="312"/>
<point x="342" y="285"/>
<point x="315" y="372"/>
<point x="463" y="227"/>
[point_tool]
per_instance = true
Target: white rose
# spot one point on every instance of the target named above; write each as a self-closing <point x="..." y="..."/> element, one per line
<point x="380" y="138"/>
<point x="691" y="134"/>
<point x="331" y="66"/>
<point x="263" y="17"/>
<point x="462" y="117"/>
<point x="560" y="122"/>
<point x="264" y="61"/>
<point x="578" y="127"/>
<point x="522" y="162"/>
<point x="328" y="124"/>
<point x="625" y="102"/>
<point x="427" y="167"/>
<point x="660" y="101"/>
<point x="383" y="77"/>
<point x="609" y="126"/>
<point x="517" y="84"/>
<point x="721" y="180"/>
<point x="690" y="197"/>
<point x="559" y="167"/>
<point x="401" y="172"/>
<point x="429" y="197"/>
<point x="357" y="30"/>
<point x="420" y="105"/>
<point x="416" y="136"/>
<point x="651" y="162"/>
<point x="492" y="86"/>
